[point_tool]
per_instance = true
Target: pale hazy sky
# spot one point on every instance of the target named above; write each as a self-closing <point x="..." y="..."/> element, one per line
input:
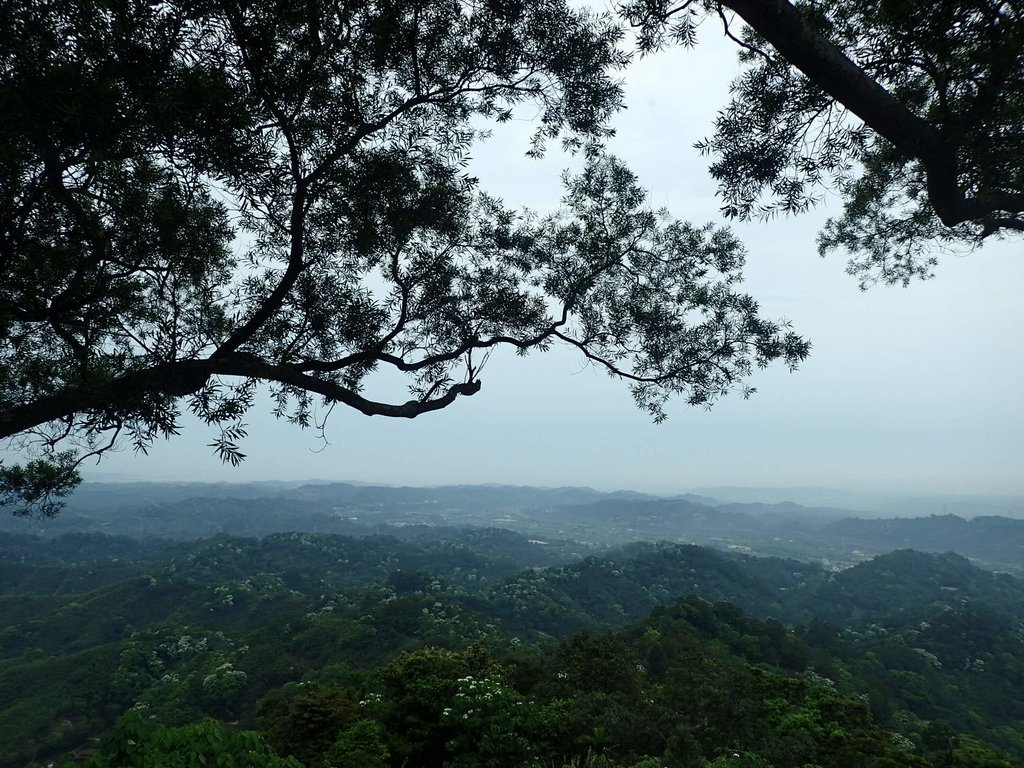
<point x="912" y="389"/>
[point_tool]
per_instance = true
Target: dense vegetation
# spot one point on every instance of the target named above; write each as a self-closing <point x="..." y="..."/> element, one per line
<point x="481" y="648"/>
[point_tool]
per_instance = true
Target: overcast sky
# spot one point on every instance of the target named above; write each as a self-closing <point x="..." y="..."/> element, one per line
<point x="909" y="390"/>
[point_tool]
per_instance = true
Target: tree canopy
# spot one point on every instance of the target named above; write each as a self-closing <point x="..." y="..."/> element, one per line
<point x="198" y="197"/>
<point x="910" y="109"/>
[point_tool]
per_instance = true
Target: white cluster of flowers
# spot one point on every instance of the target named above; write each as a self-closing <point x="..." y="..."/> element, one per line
<point x="813" y="677"/>
<point x="184" y="645"/>
<point x="438" y="614"/>
<point x="326" y="609"/>
<point x="930" y="657"/>
<point x="479" y="696"/>
<point x="371" y="699"/>
<point x="974" y="665"/>
<point x="903" y="742"/>
<point x="225" y="673"/>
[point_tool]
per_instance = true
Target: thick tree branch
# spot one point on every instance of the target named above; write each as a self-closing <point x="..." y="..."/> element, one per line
<point x="782" y="25"/>
<point x="276" y="299"/>
<point x="185" y="377"/>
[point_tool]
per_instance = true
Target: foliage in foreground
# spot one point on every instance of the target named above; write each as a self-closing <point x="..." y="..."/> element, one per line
<point x="198" y="198"/>
<point x="140" y="743"/>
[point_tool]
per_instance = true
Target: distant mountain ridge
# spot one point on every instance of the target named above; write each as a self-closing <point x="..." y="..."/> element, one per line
<point x="595" y="519"/>
<point x="876" y="503"/>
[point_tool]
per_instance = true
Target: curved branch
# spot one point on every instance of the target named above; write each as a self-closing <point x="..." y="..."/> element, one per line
<point x="782" y="25"/>
<point x="674" y="373"/>
<point x="276" y="299"/>
<point x="185" y="377"/>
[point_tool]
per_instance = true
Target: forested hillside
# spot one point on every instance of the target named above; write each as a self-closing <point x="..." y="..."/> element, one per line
<point x="468" y="647"/>
<point x="568" y="521"/>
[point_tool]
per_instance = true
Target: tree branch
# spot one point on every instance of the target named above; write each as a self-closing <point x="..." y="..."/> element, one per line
<point x="782" y="24"/>
<point x="184" y="377"/>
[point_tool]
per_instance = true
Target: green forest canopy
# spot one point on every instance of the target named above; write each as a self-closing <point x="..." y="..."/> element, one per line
<point x="344" y="651"/>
